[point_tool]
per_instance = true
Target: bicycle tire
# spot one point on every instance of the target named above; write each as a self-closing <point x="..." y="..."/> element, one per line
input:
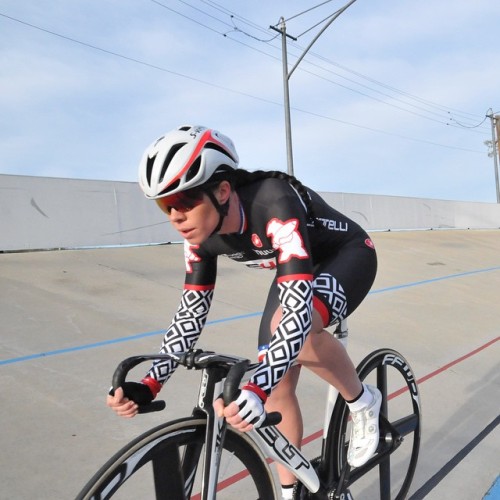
<point x="172" y="451"/>
<point x="395" y="470"/>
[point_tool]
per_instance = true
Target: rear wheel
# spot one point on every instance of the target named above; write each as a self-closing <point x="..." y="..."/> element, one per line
<point x="389" y="473"/>
<point x="165" y="463"/>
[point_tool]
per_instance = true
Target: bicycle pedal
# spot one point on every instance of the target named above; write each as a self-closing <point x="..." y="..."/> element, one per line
<point x="388" y="435"/>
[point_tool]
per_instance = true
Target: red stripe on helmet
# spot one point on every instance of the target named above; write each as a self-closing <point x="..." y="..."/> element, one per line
<point x="205" y="138"/>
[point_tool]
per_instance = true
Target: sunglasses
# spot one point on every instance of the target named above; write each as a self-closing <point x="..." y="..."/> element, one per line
<point x="183" y="201"/>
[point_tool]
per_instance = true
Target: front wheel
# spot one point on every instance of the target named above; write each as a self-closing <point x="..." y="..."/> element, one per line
<point x="389" y="473"/>
<point x="164" y="463"/>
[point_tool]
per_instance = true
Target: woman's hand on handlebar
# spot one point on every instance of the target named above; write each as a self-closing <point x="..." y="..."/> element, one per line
<point x="230" y="413"/>
<point x="121" y="405"/>
<point x="243" y="414"/>
<point x="135" y="397"/>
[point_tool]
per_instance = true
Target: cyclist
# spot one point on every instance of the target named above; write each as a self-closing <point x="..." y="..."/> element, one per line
<point x="324" y="262"/>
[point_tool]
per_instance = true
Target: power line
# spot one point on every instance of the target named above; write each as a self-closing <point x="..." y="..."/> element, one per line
<point x="443" y="109"/>
<point x="220" y="87"/>
<point x="447" y="119"/>
<point x="442" y="119"/>
<point x="392" y="134"/>
<point x="319" y="23"/>
<point x="190" y="18"/>
<point x="233" y="15"/>
<point x="471" y="126"/>
<point x="429" y="103"/>
<point x="133" y="59"/>
<point x="308" y="10"/>
<point x="398" y="91"/>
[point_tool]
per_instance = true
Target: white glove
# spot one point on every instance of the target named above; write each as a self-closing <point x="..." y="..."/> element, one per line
<point x="251" y="408"/>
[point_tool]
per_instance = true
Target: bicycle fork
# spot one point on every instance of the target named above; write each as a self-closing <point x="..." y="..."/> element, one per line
<point x="269" y="439"/>
<point x="214" y="437"/>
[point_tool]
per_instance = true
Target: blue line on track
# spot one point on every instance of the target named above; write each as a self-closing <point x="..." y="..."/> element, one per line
<point x="494" y="491"/>
<point x="224" y="320"/>
<point x="113" y="341"/>
<point x="434" y="280"/>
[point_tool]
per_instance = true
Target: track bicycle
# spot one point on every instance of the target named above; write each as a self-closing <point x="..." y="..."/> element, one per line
<point x="201" y="458"/>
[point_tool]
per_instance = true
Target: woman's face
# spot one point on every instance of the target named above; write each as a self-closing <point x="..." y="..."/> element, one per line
<point x="196" y="224"/>
<point x="192" y="213"/>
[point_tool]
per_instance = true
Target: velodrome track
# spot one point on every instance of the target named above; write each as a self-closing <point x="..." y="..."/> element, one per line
<point x="68" y="317"/>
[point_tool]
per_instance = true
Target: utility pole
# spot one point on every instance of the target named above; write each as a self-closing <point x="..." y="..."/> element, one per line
<point x="286" y="94"/>
<point x="287" y="74"/>
<point x="495" y="133"/>
<point x="497" y="121"/>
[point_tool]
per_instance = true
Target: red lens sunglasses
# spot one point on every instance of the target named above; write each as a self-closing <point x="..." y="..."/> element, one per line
<point x="183" y="201"/>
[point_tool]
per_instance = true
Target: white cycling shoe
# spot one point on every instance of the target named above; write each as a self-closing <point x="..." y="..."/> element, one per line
<point x="365" y="430"/>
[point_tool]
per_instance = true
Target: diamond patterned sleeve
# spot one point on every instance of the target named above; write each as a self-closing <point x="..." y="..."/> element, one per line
<point x="296" y="302"/>
<point x="184" y="330"/>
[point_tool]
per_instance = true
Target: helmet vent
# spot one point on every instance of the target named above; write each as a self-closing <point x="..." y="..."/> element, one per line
<point x="194" y="169"/>
<point x="172" y="186"/>
<point x="169" y="158"/>
<point x="149" y="168"/>
<point x="216" y="147"/>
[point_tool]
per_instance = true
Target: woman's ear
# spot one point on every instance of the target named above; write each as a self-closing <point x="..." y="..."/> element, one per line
<point x="223" y="192"/>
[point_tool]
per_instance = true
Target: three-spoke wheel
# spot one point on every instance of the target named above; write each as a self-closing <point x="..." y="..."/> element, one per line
<point x="389" y="473"/>
<point x="172" y="455"/>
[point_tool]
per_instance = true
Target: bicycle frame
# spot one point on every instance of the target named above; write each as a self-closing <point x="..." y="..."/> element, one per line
<point x="269" y="439"/>
<point x="222" y="375"/>
<point x="281" y="450"/>
<point x="341" y="333"/>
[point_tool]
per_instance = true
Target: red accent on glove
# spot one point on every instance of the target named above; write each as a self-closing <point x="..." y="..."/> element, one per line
<point x="256" y="390"/>
<point x="153" y="385"/>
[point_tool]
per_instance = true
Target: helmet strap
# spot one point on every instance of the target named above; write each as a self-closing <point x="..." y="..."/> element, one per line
<point x="222" y="209"/>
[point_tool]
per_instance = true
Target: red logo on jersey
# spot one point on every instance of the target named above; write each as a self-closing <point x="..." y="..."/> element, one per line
<point x="256" y="241"/>
<point x="190" y="256"/>
<point x="286" y="238"/>
<point x="369" y="243"/>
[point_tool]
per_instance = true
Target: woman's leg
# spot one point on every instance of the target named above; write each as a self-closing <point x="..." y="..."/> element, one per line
<point x="284" y="400"/>
<point x="325" y="356"/>
<point x="322" y="353"/>
<point x="340" y="285"/>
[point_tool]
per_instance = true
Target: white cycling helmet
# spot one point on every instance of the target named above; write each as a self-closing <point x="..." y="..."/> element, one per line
<point x="184" y="158"/>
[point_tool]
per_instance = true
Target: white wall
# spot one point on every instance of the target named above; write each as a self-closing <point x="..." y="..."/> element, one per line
<point x="41" y="212"/>
<point x="46" y="213"/>
<point x="394" y="212"/>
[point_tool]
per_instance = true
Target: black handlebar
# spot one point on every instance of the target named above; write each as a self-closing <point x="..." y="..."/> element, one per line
<point x="120" y="375"/>
<point x="231" y="390"/>
<point x="194" y="359"/>
<point x="124" y="367"/>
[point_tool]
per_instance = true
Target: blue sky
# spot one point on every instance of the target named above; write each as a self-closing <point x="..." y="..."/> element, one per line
<point x="391" y="99"/>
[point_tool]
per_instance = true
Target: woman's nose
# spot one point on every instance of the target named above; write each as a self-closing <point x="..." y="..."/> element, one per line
<point x="176" y="215"/>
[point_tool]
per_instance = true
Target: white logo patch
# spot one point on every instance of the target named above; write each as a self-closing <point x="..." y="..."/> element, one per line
<point x="286" y="238"/>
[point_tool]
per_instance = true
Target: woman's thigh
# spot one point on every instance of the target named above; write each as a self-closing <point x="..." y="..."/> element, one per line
<point x="341" y="282"/>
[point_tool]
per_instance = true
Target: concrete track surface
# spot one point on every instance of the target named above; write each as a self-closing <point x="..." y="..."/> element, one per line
<point x="68" y="317"/>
